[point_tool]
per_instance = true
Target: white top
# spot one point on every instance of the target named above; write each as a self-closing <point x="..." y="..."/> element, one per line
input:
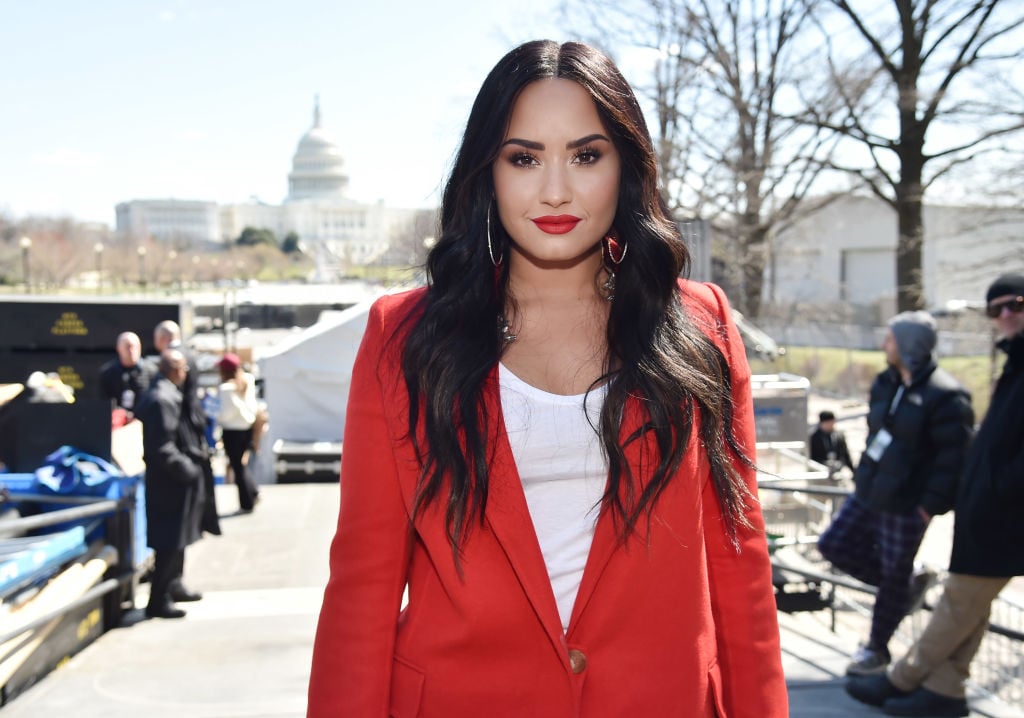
<point x="237" y="411"/>
<point x="558" y="455"/>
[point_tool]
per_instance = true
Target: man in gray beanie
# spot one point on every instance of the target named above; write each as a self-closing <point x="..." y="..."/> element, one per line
<point x="988" y="533"/>
<point x="919" y="425"/>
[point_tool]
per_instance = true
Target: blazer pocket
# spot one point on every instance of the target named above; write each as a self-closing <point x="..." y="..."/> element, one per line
<point x="715" y="689"/>
<point x="406" y="689"/>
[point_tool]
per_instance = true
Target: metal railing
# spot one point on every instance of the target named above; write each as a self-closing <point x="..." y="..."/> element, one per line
<point x="118" y="517"/>
<point x="798" y="511"/>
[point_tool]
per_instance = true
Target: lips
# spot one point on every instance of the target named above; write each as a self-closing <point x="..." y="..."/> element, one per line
<point x="559" y="224"/>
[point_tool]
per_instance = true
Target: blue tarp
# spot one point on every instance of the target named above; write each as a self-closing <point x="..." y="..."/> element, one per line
<point x="72" y="473"/>
<point x="27" y="559"/>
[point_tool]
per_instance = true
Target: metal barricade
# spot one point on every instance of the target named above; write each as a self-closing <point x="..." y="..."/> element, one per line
<point x="62" y="611"/>
<point x="798" y="502"/>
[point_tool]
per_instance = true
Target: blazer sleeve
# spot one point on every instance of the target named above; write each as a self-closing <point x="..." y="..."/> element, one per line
<point x="742" y="595"/>
<point x="354" y="645"/>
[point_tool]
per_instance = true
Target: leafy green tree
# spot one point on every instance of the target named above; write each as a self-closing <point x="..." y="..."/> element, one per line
<point x="252" y="236"/>
<point x="291" y="243"/>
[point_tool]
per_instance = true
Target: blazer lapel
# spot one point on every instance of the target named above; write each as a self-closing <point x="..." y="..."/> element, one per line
<point x="606" y="538"/>
<point x="508" y="517"/>
<point x="640" y="455"/>
<point x="601" y="550"/>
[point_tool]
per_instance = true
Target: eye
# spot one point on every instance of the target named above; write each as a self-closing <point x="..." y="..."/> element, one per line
<point x="522" y="159"/>
<point x="587" y="156"/>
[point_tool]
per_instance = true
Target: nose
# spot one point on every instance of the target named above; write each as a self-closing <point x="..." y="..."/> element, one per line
<point x="555" y="190"/>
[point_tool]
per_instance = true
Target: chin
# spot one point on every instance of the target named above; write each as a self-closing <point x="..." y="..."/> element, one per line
<point x="562" y="257"/>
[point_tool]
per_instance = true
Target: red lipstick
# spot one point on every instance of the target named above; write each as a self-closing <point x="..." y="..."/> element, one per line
<point x="556" y="224"/>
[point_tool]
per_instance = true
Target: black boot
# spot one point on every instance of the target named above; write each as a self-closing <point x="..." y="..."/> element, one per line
<point x="873" y="690"/>
<point x="180" y="594"/>
<point x="924" y="702"/>
<point x="164" y="609"/>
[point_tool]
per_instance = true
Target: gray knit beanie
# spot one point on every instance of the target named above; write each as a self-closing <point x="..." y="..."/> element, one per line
<point x="915" y="334"/>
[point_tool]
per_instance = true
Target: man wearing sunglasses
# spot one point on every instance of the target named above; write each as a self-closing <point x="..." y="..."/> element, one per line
<point x="987" y="538"/>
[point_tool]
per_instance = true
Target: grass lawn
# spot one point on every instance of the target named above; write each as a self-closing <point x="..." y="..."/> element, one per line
<point x="844" y="372"/>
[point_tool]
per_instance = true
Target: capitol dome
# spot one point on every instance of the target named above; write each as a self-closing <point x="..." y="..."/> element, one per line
<point x="317" y="165"/>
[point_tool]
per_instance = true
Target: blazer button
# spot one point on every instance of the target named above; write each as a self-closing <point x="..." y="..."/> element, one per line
<point x="577" y="661"/>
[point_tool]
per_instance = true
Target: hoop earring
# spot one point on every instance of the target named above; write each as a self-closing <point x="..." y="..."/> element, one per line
<point x="490" y="249"/>
<point x="608" y="248"/>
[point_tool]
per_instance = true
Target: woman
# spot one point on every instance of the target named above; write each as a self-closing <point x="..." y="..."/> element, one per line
<point x="239" y="409"/>
<point x="547" y="446"/>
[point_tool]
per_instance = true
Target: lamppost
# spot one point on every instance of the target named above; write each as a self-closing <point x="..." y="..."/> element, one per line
<point x="26" y="246"/>
<point x="142" y="268"/>
<point x="98" y="249"/>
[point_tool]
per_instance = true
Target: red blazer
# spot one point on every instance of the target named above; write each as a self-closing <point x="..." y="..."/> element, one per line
<point x="674" y="623"/>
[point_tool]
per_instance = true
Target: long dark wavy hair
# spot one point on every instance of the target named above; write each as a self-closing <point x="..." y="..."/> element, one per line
<point x="654" y="351"/>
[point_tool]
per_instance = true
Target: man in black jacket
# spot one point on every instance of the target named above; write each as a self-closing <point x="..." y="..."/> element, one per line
<point x="167" y="335"/>
<point x="125" y="378"/>
<point x="988" y="535"/>
<point x="828" y="446"/>
<point x="174" y="483"/>
<point x="919" y="425"/>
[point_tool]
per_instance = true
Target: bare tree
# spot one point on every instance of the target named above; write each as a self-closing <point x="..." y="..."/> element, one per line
<point x="920" y="89"/>
<point x="410" y="241"/>
<point x="725" y="86"/>
<point x="58" y="250"/>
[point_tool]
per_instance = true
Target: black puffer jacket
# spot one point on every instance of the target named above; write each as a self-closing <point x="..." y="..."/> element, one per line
<point x="931" y="429"/>
<point x="988" y="538"/>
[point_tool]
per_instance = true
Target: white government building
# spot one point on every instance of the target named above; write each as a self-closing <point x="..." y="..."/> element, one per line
<point x="337" y="230"/>
<point x="845" y="253"/>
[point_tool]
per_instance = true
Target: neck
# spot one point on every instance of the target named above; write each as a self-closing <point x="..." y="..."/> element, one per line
<point x="531" y="282"/>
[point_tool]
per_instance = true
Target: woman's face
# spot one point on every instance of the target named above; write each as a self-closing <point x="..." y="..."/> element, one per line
<point x="556" y="178"/>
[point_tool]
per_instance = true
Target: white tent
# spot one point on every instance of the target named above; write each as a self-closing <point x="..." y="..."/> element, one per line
<point x="306" y="382"/>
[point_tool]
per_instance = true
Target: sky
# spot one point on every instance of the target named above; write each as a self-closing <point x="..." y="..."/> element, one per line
<point x="103" y="102"/>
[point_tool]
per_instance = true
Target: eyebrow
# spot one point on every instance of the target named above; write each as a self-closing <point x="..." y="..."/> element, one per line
<point x="574" y="144"/>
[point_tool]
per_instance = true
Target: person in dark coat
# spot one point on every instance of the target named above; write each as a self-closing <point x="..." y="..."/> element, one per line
<point x="988" y="535"/>
<point x="125" y="378"/>
<point x="828" y="446"/>
<point x="167" y="335"/>
<point x="919" y="426"/>
<point x="174" y="483"/>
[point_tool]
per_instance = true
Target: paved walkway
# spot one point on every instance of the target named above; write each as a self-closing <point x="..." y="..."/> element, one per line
<point x="243" y="651"/>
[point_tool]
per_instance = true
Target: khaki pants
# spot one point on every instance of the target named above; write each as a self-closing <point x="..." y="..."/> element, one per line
<point x="940" y="660"/>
